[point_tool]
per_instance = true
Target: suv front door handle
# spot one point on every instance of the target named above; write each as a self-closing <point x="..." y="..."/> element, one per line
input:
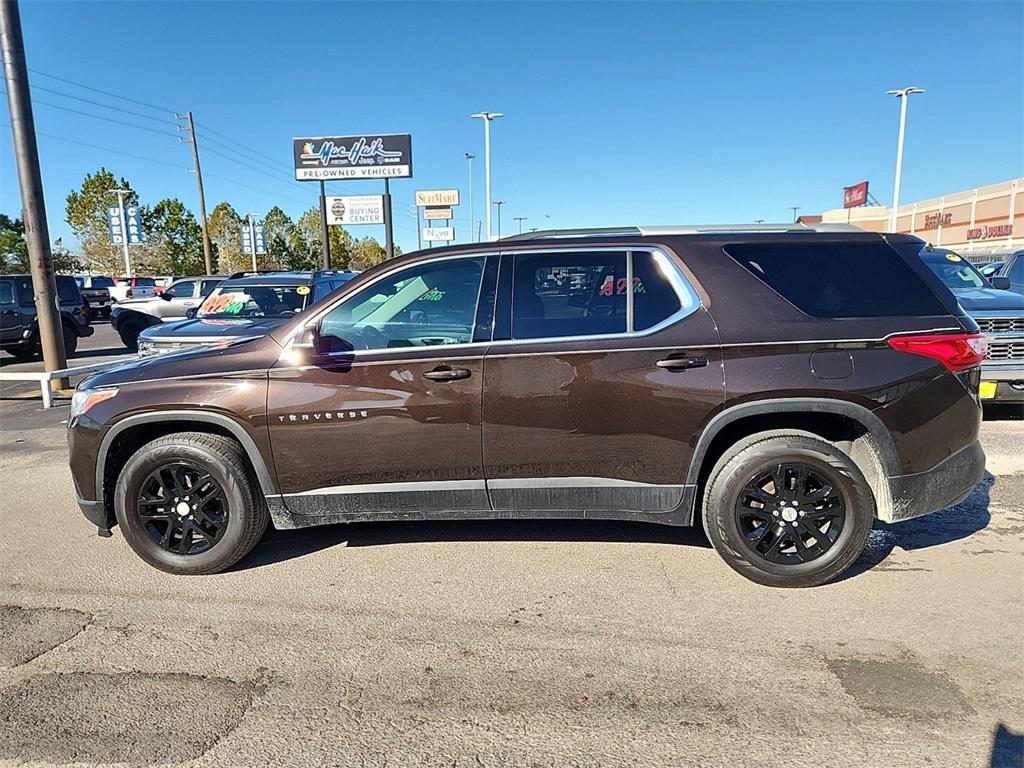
<point x="445" y="373"/>
<point x="682" y="362"/>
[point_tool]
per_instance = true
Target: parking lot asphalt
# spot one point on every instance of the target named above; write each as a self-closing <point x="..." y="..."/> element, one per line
<point x="504" y="643"/>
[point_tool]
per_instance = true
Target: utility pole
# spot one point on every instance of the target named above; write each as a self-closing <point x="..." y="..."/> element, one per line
<point x="124" y="230"/>
<point x="207" y="250"/>
<point x="487" y="117"/>
<point x="903" y="94"/>
<point x="325" y="234"/>
<point x="33" y="209"/>
<point x="498" y="204"/>
<point x="252" y="239"/>
<point x="469" y="157"/>
<point x="520" y="219"/>
<point x="389" y="235"/>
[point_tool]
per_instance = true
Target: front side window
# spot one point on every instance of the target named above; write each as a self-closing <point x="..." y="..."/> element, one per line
<point x="424" y="305"/>
<point x="254" y="301"/>
<point x="209" y="286"/>
<point x="1016" y="272"/>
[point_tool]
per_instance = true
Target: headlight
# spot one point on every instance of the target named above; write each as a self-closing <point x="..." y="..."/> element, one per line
<point x="146" y="347"/>
<point x="84" y="399"/>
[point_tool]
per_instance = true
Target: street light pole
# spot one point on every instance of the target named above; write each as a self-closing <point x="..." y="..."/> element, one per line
<point x="252" y="240"/>
<point x="472" y="226"/>
<point x="520" y="219"/>
<point x="487" y="117"/>
<point x="903" y="94"/>
<point x="794" y="209"/>
<point x="499" y="203"/>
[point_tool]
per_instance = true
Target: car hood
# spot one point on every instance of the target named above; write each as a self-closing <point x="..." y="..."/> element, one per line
<point x="205" y="328"/>
<point x="254" y="354"/>
<point x="989" y="300"/>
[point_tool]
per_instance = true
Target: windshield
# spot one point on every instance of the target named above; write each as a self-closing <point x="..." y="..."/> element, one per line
<point x="248" y="301"/>
<point x="957" y="273"/>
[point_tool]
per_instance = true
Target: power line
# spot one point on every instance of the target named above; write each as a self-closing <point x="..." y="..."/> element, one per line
<point x="98" y="90"/>
<point x="257" y="189"/>
<point x="101" y="117"/>
<point x="113" y="151"/>
<point x="101" y="104"/>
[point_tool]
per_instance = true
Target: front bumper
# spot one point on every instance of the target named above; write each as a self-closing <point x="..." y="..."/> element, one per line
<point x="944" y="485"/>
<point x="1001" y="384"/>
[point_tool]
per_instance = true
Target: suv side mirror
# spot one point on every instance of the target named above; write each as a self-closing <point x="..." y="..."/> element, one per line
<point x="1000" y="282"/>
<point x="315" y="344"/>
<point x="190" y="313"/>
<point x="166" y="295"/>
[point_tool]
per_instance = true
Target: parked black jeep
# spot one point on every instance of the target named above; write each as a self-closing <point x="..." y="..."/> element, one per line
<point x="19" y="326"/>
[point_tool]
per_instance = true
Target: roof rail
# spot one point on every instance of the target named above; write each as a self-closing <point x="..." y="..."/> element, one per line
<point x="684" y="229"/>
<point x="253" y="273"/>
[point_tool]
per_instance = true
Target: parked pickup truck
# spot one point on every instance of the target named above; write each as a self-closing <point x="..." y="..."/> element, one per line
<point x="95" y="289"/>
<point x="999" y="314"/>
<point x="132" y="288"/>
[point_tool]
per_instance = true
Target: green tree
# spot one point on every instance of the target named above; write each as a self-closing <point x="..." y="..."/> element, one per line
<point x="367" y="252"/>
<point x="14" y="250"/>
<point x="278" y="227"/>
<point x="87" y="214"/>
<point x="174" y="240"/>
<point x="223" y="226"/>
<point x="306" y="244"/>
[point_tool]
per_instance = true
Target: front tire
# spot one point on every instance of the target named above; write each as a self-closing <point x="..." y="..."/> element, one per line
<point x="188" y="504"/>
<point x="129" y="332"/>
<point x="788" y="509"/>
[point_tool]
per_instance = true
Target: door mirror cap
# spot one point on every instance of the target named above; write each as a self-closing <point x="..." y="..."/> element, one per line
<point x="166" y="295"/>
<point x="190" y="313"/>
<point x="311" y="343"/>
<point x="1000" y="282"/>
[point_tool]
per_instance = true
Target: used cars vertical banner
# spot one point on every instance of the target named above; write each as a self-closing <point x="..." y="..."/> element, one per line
<point x="370" y="156"/>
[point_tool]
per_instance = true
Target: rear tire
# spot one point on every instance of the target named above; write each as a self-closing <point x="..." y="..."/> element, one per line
<point x="788" y="509"/>
<point x="70" y="341"/>
<point x="188" y="503"/>
<point x="25" y="353"/>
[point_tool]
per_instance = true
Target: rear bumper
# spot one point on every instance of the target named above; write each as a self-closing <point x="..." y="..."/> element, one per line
<point x="945" y="484"/>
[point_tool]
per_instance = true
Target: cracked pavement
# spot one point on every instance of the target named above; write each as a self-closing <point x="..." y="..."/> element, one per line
<point x="504" y="643"/>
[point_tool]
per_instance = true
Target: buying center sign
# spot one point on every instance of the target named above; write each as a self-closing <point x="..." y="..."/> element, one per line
<point x="369" y="156"/>
<point x="355" y="209"/>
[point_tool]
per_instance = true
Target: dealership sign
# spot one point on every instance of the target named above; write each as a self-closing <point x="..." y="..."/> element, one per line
<point x="445" y="197"/>
<point x="437" y="234"/>
<point x="355" y="209"/>
<point x="370" y="156"/>
<point x="989" y="232"/>
<point x="855" y="195"/>
<point x="436" y="212"/>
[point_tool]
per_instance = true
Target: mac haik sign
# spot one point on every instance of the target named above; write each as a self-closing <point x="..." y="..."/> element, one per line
<point x="369" y="156"/>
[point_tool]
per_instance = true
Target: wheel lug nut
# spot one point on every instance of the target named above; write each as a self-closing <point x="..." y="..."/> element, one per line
<point x="776" y="513"/>
<point x="802" y="513"/>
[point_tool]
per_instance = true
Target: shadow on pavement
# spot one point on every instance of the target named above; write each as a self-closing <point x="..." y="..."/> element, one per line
<point x="1003" y="412"/>
<point x="278" y="546"/>
<point x="951" y="524"/>
<point x="1007" y="748"/>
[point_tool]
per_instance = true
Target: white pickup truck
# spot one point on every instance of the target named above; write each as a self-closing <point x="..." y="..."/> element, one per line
<point x="132" y="288"/>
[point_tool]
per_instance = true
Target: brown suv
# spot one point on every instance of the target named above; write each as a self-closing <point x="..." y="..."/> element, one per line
<point x="781" y="385"/>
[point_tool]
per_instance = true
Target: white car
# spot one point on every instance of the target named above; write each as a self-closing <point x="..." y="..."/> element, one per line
<point x="132" y="288"/>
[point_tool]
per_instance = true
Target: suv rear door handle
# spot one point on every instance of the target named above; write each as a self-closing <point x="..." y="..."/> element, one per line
<point x="681" y="362"/>
<point x="445" y="373"/>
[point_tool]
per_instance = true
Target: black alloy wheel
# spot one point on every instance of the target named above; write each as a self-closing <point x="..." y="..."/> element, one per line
<point x="182" y="508"/>
<point x="790" y="514"/>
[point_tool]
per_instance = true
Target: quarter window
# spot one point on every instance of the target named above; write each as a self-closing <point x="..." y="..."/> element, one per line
<point x="425" y="305"/>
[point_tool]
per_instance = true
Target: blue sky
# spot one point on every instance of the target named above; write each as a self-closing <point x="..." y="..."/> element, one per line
<point x="616" y="113"/>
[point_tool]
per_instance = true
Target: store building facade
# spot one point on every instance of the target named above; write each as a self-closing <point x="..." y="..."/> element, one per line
<point x="981" y="224"/>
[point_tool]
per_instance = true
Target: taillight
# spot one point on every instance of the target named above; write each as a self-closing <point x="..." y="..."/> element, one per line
<point x="957" y="351"/>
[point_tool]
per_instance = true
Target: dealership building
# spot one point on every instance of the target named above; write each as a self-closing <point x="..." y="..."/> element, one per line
<point x="982" y="224"/>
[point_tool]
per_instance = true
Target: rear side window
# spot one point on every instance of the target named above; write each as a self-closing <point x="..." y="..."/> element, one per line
<point x="840" y="279"/>
<point x="6" y="292"/>
<point x="568" y="294"/>
<point x="67" y="291"/>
